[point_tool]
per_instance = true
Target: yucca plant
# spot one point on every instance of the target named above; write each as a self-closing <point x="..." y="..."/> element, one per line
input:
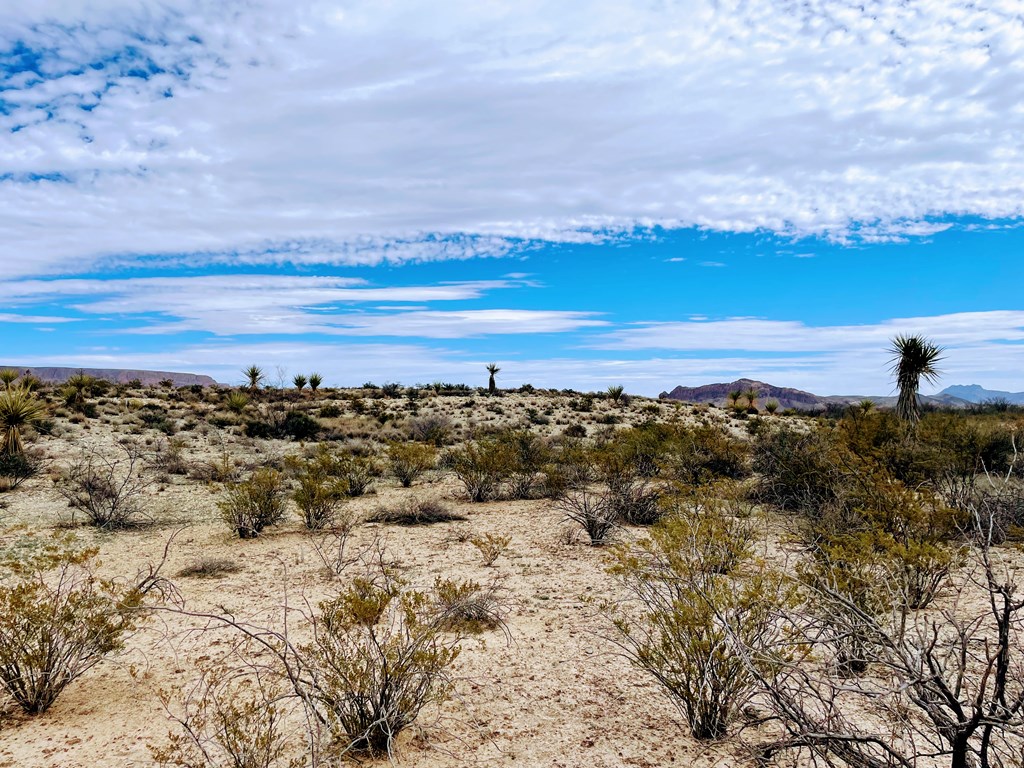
<point x="914" y="357"/>
<point x="315" y="380"/>
<point x="254" y="377"/>
<point x="18" y="409"/>
<point x="493" y="370"/>
<point x="8" y="376"/>
<point x="299" y="380"/>
<point x="77" y="388"/>
<point x="237" y="402"/>
<point x="615" y="392"/>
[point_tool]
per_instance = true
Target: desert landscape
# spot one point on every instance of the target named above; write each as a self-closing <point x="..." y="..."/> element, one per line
<point x="518" y="556"/>
<point x="530" y="384"/>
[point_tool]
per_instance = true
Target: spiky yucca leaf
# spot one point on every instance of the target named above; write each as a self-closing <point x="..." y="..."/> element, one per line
<point x="18" y="408"/>
<point x="914" y="357"/>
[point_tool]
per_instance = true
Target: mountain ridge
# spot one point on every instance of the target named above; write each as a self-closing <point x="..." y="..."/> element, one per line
<point x="789" y="397"/>
<point x="60" y="374"/>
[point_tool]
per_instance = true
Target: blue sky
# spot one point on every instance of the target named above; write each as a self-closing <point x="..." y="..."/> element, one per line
<point x="645" y="194"/>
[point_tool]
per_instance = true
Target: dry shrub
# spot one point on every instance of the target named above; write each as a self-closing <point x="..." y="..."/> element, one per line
<point x="591" y="511"/>
<point x="227" y="719"/>
<point x="415" y="512"/>
<point x="209" y="568"/>
<point x="57" y="619"/>
<point x="106" y="490"/>
<point x="254" y="504"/>
<point x="471" y="607"/>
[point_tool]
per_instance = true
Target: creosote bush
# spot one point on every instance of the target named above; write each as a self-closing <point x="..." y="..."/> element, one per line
<point x="692" y="628"/>
<point x="410" y="460"/>
<point x="254" y="504"/>
<point x="380" y="654"/>
<point x="57" y="618"/>
<point x="491" y="546"/>
<point x="321" y="491"/>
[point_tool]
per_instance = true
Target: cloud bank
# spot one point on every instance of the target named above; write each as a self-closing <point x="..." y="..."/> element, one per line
<point x="361" y="132"/>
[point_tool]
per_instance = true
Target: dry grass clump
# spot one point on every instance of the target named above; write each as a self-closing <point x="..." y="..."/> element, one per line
<point x="209" y="568"/>
<point x="415" y="512"/>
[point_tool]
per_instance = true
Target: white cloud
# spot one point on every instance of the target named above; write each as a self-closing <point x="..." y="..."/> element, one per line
<point x="757" y="335"/>
<point x="343" y="133"/>
<point x="240" y="305"/>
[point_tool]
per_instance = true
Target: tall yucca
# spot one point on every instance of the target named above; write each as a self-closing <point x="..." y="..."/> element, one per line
<point x="493" y="370"/>
<point x="913" y="358"/>
<point x="18" y="408"/>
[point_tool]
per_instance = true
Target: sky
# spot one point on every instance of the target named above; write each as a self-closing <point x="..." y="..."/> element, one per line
<point x="588" y="194"/>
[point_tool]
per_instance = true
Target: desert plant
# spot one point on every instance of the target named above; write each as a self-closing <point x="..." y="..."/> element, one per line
<point x="76" y="391"/>
<point x="914" y="357"/>
<point x="107" y="490"/>
<point x="771" y="406"/>
<point x="16" y="468"/>
<point x="254" y="377"/>
<point x="469" y="606"/>
<point x="435" y="429"/>
<point x="254" y="504"/>
<point x="751" y="395"/>
<point x="226" y="719"/>
<point x="57" y="619"/>
<point x="491" y="546"/>
<point x="359" y="473"/>
<point x="237" y="402"/>
<point x="734" y="397"/>
<point x="300" y="381"/>
<point x="492" y="370"/>
<point x="19" y="408"/>
<point x="209" y="568"/>
<point x="315" y="380"/>
<point x="697" y="633"/>
<point x="415" y="512"/>
<point x="615" y="392"/>
<point x="321" y="491"/>
<point x="8" y="376"/>
<point x="410" y="460"/>
<point x="592" y="511"/>
<point x="634" y="500"/>
<point x="482" y="466"/>
<point x="380" y="654"/>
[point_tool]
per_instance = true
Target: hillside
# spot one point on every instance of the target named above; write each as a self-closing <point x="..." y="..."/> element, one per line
<point x="57" y="375"/>
<point x="975" y="393"/>
<point x="787" y="397"/>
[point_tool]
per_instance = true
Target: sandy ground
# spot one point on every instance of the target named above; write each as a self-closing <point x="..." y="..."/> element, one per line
<point x="553" y="693"/>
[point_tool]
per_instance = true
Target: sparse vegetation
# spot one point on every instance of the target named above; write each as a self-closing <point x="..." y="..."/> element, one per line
<point x="252" y="505"/>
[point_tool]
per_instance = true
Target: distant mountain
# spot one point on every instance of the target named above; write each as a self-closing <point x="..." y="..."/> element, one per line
<point x="975" y="393"/>
<point x="791" y="398"/>
<point x="115" y="375"/>
<point x="719" y="395"/>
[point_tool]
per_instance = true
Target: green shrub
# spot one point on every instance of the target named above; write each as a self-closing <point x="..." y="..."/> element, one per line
<point x="254" y="504"/>
<point x="379" y="655"/>
<point x="320" y="491"/>
<point x="482" y="466"/>
<point x="57" y="619"/>
<point x="700" y="634"/>
<point x="410" y="460"/>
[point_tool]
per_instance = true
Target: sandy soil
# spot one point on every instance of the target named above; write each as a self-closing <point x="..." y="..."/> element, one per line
<point x="553" y="693"/>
